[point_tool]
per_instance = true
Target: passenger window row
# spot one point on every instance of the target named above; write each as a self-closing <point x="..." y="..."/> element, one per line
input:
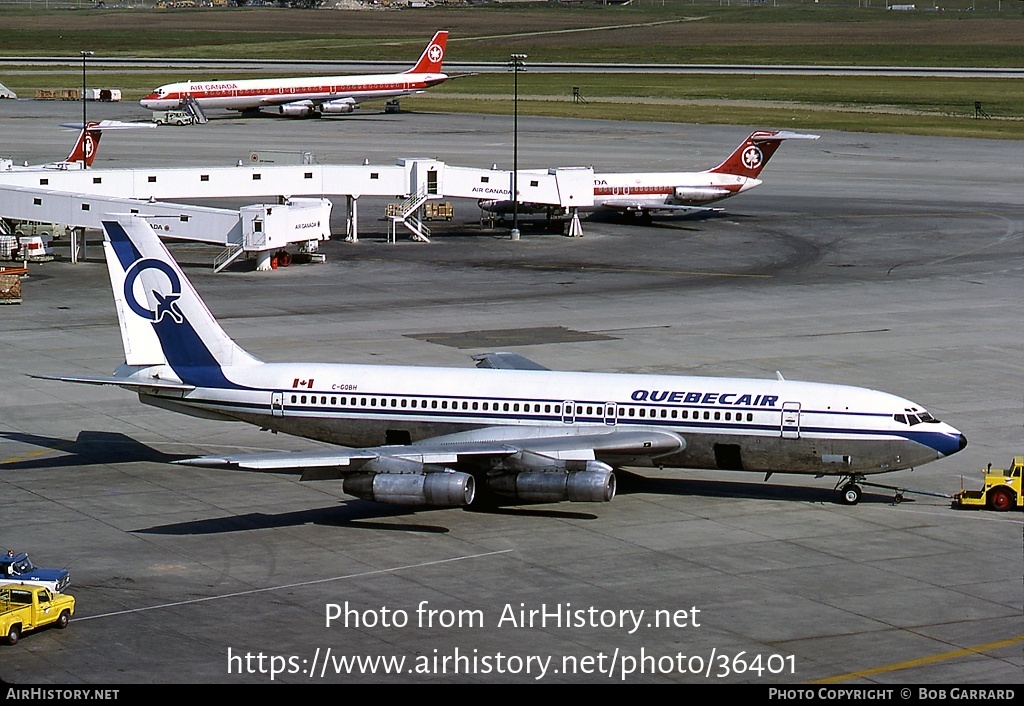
<point x="600" y="411"/>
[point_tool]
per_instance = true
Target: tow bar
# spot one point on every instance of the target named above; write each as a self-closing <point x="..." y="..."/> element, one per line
<point x="898" y="497"/>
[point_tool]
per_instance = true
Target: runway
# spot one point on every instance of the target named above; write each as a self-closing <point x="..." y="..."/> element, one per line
<point x="889" y="262"/>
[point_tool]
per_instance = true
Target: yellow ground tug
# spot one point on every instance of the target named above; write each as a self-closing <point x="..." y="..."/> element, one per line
<point x="1002" y="489"/>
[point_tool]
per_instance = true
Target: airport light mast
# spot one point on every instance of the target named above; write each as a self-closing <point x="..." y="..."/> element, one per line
<point x="516" y="64"/>
<point x="84" y="119"/>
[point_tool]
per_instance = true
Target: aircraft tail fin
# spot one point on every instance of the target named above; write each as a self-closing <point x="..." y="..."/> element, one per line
<point x="163" y="319"/>
<point x="433" y="56"/>
<point x="85" y="149"/>
<point x="753" y="154"/>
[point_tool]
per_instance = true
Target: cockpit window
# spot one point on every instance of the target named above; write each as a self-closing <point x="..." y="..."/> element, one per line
<point x="913" y="419"/>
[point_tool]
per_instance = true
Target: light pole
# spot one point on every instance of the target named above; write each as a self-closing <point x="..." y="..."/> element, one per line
<point x="516" y="64"/>
<point x="84" y="123"/>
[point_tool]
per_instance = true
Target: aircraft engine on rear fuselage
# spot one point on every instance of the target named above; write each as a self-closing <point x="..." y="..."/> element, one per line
<point x="698" y="194"/>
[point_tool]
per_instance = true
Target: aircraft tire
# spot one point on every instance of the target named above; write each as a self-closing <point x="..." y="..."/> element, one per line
<point x="850" y="494"/>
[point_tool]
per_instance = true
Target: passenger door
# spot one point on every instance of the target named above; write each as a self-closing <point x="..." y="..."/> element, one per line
<point x="790" y="423"/>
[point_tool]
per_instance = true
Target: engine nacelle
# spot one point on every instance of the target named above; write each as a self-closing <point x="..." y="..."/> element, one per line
<point x="441" y="489"/>
<point x="299" y="109"/>
<point x="698" y="194"/>
<point x="337" y="107"/>
<point x="596" y="484"/>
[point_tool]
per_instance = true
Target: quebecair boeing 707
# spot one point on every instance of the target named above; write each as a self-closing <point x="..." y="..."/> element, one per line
<point x="510" y="428"/>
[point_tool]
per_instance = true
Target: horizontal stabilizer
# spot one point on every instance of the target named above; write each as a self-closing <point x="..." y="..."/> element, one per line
<point x="782" y="135"/>
<point x="127" y="383"/>
<point x="110" y="125"/>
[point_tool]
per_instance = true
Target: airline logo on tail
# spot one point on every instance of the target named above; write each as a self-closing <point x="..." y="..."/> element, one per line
<point x="433" y="56"/>
<point x="166" y="304"/>
<point x="752" y="157"/>
<point x="85" y="149"/>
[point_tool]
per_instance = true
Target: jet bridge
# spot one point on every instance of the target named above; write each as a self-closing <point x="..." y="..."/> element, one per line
<point x="258" y="229"/>
<point x="83" y="197"/>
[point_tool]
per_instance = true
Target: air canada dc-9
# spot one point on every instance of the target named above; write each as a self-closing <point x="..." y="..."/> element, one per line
<point x="509" y="429"/>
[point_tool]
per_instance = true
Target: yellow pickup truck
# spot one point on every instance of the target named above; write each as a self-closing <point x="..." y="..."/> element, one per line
<point x="1002" y="489"/>
<point x="25" y="607"/>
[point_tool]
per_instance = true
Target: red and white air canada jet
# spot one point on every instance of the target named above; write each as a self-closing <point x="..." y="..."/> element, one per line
<point x="306" y="96"/>
<point x="644" y="193"/>
<point x="84" y="151"/>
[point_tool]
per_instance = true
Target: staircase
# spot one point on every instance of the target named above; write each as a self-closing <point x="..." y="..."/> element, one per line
<point x="229" y="255"/>
<point x="407" y="216"/>
<point x="192" y="107"/>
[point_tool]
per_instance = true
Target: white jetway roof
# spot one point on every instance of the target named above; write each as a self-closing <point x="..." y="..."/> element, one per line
<point x="404" y="179"/>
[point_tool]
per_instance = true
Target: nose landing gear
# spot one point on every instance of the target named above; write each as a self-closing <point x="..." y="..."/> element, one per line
<point x="849" y="490"/>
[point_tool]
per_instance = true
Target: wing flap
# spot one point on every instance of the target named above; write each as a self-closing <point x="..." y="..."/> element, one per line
<point x="287" y="461"/>
<point x="456" y="449"/>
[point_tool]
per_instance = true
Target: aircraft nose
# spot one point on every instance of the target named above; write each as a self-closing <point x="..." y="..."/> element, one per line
<point x="957" y="442"/>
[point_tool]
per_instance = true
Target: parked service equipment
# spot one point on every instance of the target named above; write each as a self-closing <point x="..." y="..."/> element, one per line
<point x="24" y="607"/>
<point x="17" y="568"/>
<point x="172" y="117"/>
<point x="1002" y="490"/>
<point x="10" y="286"/>
<point x="434" y="211"/>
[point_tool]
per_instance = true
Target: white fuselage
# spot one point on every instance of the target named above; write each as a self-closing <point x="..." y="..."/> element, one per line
<point x="727" y="423"/>
<point x="668" y="188"/>
<point x="251" y="94"/>
<point x="645" y="191"/>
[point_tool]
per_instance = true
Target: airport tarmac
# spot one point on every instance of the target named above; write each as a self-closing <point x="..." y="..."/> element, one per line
<point x="883" y="261"/>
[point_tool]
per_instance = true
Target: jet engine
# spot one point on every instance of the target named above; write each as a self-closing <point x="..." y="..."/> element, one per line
<point x="337" y="107"/>
<point x="698" y="194"/>
<point x="298" y="109"/>
<point x="440" y="488"/>
<point x="536" y="478"/>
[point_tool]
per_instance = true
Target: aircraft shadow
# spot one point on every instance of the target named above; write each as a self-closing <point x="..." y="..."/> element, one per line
<point x="357" y="514"/>
<point x="89" y="448"/>
<point x="629" y="483"/>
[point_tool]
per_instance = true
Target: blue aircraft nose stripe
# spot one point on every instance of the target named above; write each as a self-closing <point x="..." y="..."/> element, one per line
<point x="945" y="444"/>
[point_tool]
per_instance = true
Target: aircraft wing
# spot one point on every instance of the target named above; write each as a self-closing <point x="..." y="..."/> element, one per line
<point x="537" y="447"/>
<point x="506" y="361"/>
<point x="341" y="457"/>
<point x="624" y="205"/>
